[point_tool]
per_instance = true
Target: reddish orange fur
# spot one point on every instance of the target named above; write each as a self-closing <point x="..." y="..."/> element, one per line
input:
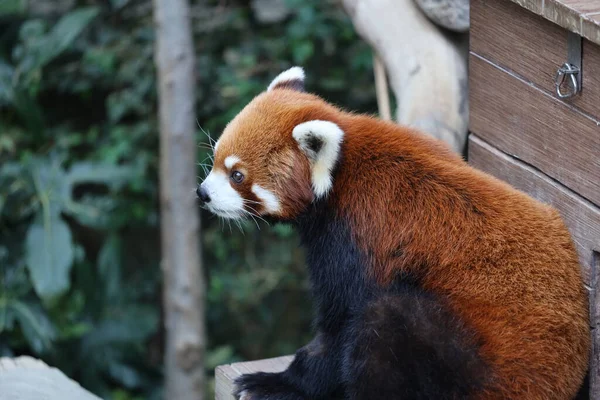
<point x="504" y="261"/>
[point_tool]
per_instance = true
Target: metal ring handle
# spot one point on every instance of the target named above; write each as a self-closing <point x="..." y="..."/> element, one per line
<point x="559" y="79"/>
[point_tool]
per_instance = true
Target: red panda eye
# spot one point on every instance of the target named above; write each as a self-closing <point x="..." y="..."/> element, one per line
<point x="237" y="176"/>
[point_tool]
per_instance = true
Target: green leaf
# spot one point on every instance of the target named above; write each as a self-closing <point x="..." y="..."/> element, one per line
<point x="11" y="7"/>
<point x="7" y="315"/>
<point x="94" y="210"/>
<point x="37" y="328"/>
<point x="218" y="356"/>
<point x="109" y="267"/>
<point x="129" y="325"/>
<point x="302" y="52"/>
<point x="113" y="176"/>
<point x="30" y="112"/>
<point x="49" y="180"/>
<point x="119" y="3"/>
<point x="283" y="230"/>
<point x="6" y="81"/>
<point x="49" y="256"/>
<point x="126" y="375"/>
<point x="64" y="33"/>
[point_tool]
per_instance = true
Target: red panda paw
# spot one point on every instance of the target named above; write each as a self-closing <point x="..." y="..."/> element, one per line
<point x="263" y="386"/>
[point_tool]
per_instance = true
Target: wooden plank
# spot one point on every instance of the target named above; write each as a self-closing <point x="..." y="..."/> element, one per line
<point x="581" y="217"/>
<point x="527" y="123"/>
<point x="226" y="374"/>
<point x="520" y="41"/>
<point x="575" y="15"/>
<point x="580" y="6"/>
<point x="591" y="27"/>
<point x="535" y="6"/>
<point x="532" y="48"/>
<point x="589" y="101"/>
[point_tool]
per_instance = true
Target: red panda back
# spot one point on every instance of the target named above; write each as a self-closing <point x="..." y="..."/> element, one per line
<point x="504" y="261"/>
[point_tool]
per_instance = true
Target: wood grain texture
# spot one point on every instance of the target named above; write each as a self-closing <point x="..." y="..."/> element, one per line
<point x="581" y="217"/>
<point x="591" y="27"/>
<point x="535" y="6"/>
<point x="574" y="15"/>
<point x="528" y="123"/>
<point x="589" y="101"/>
<point x="26" y="378"/>
<point x="563" y="15"/>
<point x="226" y="374"/>
<point x="581" y="6"/>
<point x="506" y="34"/>
<point x="533" y="48"/>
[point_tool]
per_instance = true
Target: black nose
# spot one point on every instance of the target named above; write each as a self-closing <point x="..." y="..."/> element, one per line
<point x="202" y="194"/>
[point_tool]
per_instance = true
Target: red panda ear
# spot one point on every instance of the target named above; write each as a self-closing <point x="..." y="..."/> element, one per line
<point x="321" y="142"/>
<point x="293" y="79"/>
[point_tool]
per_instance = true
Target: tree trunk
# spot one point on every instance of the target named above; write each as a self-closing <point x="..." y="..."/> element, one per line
<point x="183" y="293"/>
<point x="427" y="68"/>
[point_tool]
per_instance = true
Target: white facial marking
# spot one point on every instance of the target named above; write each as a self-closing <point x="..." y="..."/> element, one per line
<point x="215" y="147"/>
<point x="329" y="138"/>
<point x="292" y="74"/>
<point x="231" y="161"/>
<point x="225" y="201"/>
<point x="270" y="201"/>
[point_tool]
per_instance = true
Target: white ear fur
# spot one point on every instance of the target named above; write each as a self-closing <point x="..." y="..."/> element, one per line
<point x="321" y="141"/>
<point x="293" y="78"/>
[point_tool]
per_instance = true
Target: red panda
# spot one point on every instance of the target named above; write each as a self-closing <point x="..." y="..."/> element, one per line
<point x="431" y="279"/>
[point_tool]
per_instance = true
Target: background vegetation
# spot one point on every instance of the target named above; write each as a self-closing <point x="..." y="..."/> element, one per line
<point x="79" y="235"/>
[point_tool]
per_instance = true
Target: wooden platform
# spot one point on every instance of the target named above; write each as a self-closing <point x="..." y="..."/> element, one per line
<point x="226" y="374"/>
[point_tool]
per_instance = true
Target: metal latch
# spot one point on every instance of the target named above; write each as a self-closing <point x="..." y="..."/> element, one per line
<point x="570" y="73"/>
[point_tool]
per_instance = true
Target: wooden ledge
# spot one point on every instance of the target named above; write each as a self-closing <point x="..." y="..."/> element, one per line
<point x="226" y="374"/>
<point x="578" y="16"/>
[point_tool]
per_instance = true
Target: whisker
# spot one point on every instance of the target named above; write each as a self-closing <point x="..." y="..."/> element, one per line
<point x="254" y="219"/>
<point x="240" y="226"/>
<point x="255" y="214"/>
<point x="211" y="140"/>
<point x="229" y="221"/>
<point x="209" y="157"/>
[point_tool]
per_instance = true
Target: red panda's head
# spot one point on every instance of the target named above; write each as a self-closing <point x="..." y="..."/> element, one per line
<point x="276" y="156"/>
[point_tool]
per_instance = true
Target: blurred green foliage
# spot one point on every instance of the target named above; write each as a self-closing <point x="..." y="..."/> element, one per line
<point x="79" y="259"/>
